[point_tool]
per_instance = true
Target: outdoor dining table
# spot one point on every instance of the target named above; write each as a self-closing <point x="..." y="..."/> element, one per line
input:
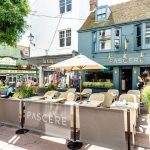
<point x="90" y="103"/>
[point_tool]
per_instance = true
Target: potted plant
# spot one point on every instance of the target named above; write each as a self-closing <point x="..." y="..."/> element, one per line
<point x="19" y="66"/>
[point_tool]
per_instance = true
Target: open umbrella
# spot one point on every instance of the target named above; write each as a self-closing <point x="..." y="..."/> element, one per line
<point x="79" y="62"/>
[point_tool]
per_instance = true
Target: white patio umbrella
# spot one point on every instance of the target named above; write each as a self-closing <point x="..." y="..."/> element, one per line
<point x="79" y="62"/>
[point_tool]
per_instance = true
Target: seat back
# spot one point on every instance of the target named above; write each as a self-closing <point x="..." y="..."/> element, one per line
<point x="52" y="93"/>
<point x="71" y="90"/>
<point x="113" y="91"/>
<point x="136" y="93"/>
<point x="128" y="97"/>
<point x="97" y="97"/>
<point x="71" y="96"/>
<point x="63" y="95"/>
<point x="108" y="100"/>
<point x="87" y="91"/>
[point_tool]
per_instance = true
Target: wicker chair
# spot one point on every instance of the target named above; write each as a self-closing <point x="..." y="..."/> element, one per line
<point x="137" y="94"/>
<point x="97" y="97"/>
<point x="128" y="97"/>
<point x="115" y="93"/>
<point x="108" y="100"/>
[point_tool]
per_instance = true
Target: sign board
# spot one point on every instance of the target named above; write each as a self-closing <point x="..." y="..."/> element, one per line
<point x="7" y="61"/>
<point x="102" y="127"/>
<point x="10" y="111"/>
<point x="48" y="118"/>
<point x="17" y="71"/>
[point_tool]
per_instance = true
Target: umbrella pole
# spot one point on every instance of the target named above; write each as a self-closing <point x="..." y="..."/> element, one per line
<point x="80" y="83"/>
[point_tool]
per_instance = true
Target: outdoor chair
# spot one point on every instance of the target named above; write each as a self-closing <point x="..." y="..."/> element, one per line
<point x="71" y="96"/>
<point x="86" y="92"/>
<point x="73" y="90"/>
<point x="97" y="97"/>
<point x="128" y="98"/>
<point x="114" y="92"/>
<point x="137" y="94"/>
<point x="52" y="94"/>
<point x="108" y="100"/>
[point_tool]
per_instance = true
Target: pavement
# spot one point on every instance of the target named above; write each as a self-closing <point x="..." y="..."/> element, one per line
<point x="35" y="141"/>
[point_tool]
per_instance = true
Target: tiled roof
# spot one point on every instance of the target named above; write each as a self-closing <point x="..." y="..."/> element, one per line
<point x="133" y="10"/>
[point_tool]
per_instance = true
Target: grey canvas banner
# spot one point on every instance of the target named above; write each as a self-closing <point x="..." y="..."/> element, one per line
<point x="48" y="118"/>
<point x="10" y="111"/>
<point x="102" y="127"/>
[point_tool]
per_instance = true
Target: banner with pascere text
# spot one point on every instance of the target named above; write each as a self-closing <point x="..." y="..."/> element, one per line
<point x="48" y="118"/>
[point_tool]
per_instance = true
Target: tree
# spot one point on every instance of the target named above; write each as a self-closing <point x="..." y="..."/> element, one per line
<point x="12" y="20"/>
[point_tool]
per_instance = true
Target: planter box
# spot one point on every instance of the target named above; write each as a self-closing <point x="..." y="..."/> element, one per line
<point x="97" y="90"/>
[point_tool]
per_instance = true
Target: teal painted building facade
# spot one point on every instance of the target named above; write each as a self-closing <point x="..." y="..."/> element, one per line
<point x="120" y="42"/>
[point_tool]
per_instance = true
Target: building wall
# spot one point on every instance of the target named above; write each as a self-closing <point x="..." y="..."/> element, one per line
<point x="133" y="60"/>
<point x="44" y="21"/>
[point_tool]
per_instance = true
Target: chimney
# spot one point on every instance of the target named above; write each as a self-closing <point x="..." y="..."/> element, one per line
<point x="93" y="4"/>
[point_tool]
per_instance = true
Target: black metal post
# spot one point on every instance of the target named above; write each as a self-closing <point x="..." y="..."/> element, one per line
<point x="128" y="129"/>
<point x="74" y="145"/>
<point x="22" y="120"/>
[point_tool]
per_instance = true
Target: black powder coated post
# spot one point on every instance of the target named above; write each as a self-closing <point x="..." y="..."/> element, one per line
<point x="128" y="129"/>
<point x="22" y="120"/>
<point x="74" y="144"/>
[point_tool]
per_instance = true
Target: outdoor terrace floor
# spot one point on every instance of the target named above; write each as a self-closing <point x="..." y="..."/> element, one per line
<point x="33" y="141"/>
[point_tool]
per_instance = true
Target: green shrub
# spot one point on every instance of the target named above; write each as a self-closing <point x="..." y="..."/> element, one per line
<point x="98" y="84"/>
<point x="3" y="87"/>
<point x="24" y="92"/>
<point x="146" y="96"/>
<point x="50" y="87"/>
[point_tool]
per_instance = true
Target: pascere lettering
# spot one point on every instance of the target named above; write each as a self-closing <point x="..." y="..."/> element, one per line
<point x="47" y="118"/>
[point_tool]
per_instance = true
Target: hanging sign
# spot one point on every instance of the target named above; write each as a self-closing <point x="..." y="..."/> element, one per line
<point x="7" y="61"/>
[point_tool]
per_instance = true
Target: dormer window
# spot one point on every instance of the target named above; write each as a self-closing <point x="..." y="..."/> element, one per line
<point x="102" y="13"/>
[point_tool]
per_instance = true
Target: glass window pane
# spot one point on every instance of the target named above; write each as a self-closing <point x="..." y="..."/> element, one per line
<point x="62" y="6"/>
<point x="68" y="41"/>
<point x="117" y="38"/>
<point x="69" y="5"/>
<point x="138" y="38"/>
<point x="147" y="34"/>
<point x="105" y="39"/>
<point x="62" y="38"/>
<point x="62" y="43"/>
<point x="68" y="37"/>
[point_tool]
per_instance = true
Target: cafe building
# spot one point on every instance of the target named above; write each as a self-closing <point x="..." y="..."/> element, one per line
<point x="118" y="37"/>
<point x="13" y="65"/>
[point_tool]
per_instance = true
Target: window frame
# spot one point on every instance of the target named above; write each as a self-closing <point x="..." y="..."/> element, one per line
<point x="101" y="13"/>
<point x="105" y="38"/>
<point x="66" y="36"/>
<point x="147" y="45"/>
<point x="114" y="37"/>
<point x="66" y="5"/>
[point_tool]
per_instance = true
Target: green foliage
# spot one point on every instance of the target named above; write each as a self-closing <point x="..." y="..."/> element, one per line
<point x="24" y="92"/>
<point x="51" y="87"/>
<point x="3" y="87"/>
<point x="12" y="20"/>
<point x="98" y="84"/>
<point x="146" y="96"/>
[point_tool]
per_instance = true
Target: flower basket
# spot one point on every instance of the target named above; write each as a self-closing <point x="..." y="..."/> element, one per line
<point x="29" y="66"/>
<point x="19" y="66"/>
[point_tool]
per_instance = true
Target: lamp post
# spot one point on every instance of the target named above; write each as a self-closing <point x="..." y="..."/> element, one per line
<point x="31" y="37"/>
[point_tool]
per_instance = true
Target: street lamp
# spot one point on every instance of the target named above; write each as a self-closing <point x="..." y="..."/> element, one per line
<point x="30" y="37"/>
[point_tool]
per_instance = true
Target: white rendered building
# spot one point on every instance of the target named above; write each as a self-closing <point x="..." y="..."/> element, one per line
<point x="54" y="24"/>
